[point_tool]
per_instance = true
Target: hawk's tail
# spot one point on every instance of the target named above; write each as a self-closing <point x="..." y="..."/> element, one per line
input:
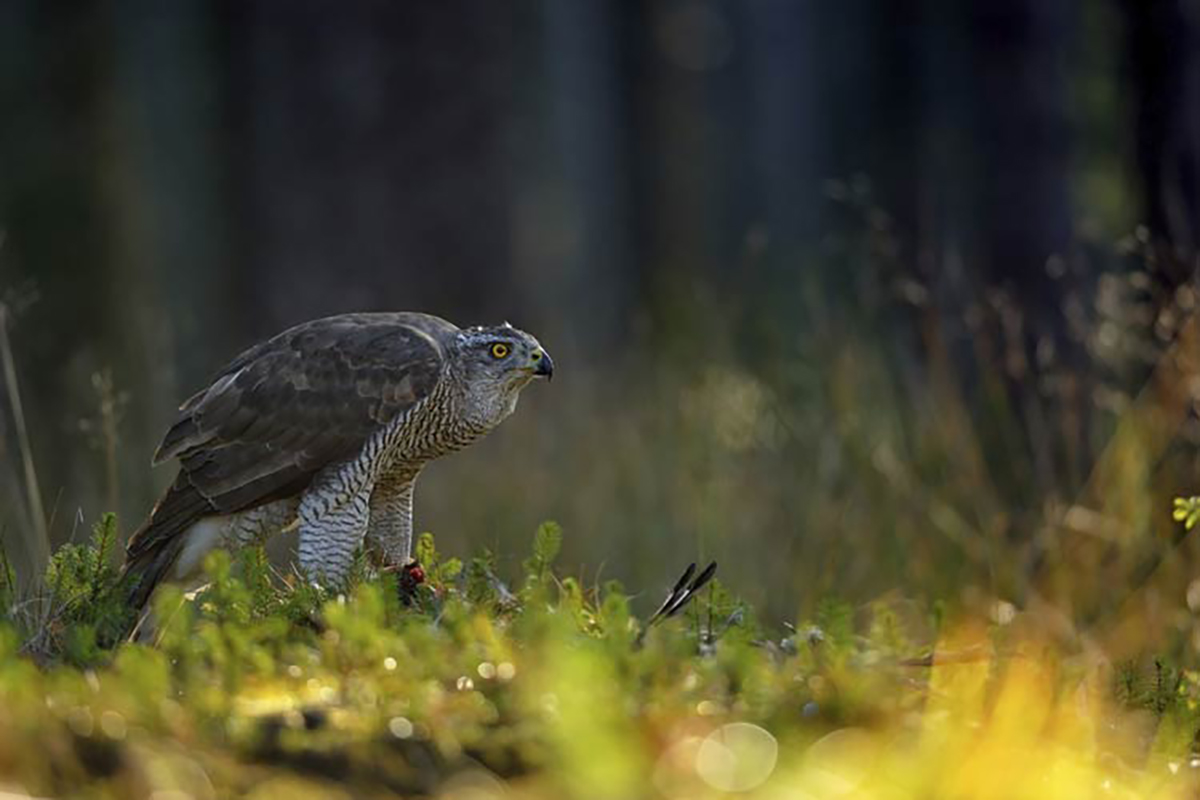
<point x="153" y="550"/>
<point x="145" y="571"/>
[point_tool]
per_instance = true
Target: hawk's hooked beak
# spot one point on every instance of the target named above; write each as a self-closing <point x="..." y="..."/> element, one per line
<point x="543" y="365"/>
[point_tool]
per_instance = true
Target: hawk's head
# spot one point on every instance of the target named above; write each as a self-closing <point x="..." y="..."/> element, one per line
<point x="495" y="363"/>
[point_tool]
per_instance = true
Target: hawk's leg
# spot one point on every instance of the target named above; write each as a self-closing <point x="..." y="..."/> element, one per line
<point x="389" y="539"/>
<point x="332" y="526"/>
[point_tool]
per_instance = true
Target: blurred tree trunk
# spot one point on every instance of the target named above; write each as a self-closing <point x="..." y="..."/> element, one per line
<point x="1164" y="69"/>
<point x="169" y="267"/>
<point x="725" y="170"/>
<point x="373" y="142"/>
<point x="573" y="223"/>
<point x="1020" y="125"/>
<point x="1019" y="230"/>
<point x="783" y="50"/>
<point x="678" y="51"/>
<point x="54" y="72"/>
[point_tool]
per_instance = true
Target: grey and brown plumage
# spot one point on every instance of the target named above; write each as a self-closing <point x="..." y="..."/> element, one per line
<point x="325" y="428"/>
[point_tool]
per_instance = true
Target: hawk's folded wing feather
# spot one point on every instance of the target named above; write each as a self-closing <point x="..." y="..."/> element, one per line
<point x="288" y="407"/>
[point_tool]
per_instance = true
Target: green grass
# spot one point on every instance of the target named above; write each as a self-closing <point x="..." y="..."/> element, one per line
<point x="264" y="685"/>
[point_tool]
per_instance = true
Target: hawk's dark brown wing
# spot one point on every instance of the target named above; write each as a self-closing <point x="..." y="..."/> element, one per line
<point x="288" y="407"/>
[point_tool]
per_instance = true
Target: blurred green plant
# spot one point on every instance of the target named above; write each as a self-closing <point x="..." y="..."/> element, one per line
<point x="77" y="611"/>
<point x="1187" y="511"/>
<point x="261" y="682"/>
<point x="8" y="582"/>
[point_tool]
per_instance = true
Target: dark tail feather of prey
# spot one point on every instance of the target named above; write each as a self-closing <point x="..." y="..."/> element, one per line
<point x="680" y="595"/>
<point x="683" y="592"/>
<point x="153" y="550"/>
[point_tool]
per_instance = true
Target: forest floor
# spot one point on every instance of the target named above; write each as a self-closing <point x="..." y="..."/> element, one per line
<point x="467" y="687"/>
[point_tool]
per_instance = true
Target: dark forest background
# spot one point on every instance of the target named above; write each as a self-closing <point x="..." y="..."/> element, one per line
<point x="854" y="297"/>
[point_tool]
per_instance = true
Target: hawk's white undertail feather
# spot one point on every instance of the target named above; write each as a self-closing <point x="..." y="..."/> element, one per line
<point x="230" y="531"/>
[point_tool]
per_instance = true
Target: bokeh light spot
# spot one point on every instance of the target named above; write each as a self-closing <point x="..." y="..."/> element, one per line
<point x="737" y="757"/>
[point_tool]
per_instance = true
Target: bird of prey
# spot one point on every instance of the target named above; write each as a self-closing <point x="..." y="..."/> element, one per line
<point x="325" y="428"/>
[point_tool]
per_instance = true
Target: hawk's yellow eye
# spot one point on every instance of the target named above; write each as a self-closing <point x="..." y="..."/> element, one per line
<point x="499" y="350"/>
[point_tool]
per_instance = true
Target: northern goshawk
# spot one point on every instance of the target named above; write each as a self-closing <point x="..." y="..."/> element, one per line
<point x="324" y="428"/>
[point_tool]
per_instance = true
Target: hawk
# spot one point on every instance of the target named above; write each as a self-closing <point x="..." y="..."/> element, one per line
<point x="325" y="428"/>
